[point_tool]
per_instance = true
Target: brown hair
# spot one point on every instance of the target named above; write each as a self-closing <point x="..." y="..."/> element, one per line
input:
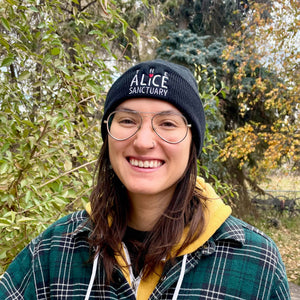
<point x="109" y="205"/>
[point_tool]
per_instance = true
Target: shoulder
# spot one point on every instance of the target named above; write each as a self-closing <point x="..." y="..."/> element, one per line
<point x="254" y="235"/>
<point x="45" y="256"/>
<point x="68" y="234"/>
<point x="251" y="246"/>
<point x="66" y="228"/>
<point x="69" y="223"/>
<point x="243" y="232"/>
<point x="253" y="255"/>
<point x="249" y="243"/>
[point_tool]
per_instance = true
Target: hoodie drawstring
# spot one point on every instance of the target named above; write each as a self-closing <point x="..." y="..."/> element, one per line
<point x="180" y="279"/>
<point x="95" y="264"/>
<point x="176" y="292"/>
<point x="135" y="281"/>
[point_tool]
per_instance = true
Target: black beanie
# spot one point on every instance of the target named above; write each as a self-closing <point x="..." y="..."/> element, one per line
<point x="162" y="80"/>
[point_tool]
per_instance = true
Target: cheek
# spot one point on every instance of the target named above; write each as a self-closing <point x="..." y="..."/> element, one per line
<point x="185" y="156"/>
<point x="116" y="155"/>
<point x="187" y="152"/>
<point x="186" y="149"/>
<point x="181" y="155"/>
<point x="113" y="151"/>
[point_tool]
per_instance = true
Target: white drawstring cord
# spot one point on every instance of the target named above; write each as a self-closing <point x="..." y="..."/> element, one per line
<point x="180" y="279"/>
<point x="95" y="265"/>
<point x="135" y="281"/>
<point x="176" y="292"/>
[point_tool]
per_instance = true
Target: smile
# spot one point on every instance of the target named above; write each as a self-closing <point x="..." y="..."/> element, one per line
<point x="145" y="163"/>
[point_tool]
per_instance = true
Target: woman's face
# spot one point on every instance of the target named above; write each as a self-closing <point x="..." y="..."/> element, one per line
<point x="146" y="164"/>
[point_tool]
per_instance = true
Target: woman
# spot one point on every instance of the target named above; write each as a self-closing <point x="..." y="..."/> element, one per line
<point x="153" y="230"/>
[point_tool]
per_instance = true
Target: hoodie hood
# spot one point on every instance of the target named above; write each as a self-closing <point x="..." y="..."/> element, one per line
<point x="215" y="211"/>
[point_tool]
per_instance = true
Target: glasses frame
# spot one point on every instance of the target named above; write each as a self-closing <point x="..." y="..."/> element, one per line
<point x="139" y="113"/>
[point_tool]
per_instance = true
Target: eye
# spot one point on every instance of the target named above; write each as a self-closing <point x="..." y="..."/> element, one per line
<point x="126" y="119"/>
<point x="167" y="124"/>
<point x="167" y="121"/>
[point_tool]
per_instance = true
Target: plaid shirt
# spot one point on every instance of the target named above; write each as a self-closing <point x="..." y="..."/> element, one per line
<point x="238" y="262"/>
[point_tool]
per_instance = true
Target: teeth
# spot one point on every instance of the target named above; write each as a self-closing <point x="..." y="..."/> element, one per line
<point x="146" y="163"/>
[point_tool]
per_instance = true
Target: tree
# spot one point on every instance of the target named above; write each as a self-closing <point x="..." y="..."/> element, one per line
<point x="273" y="139"/>
<point x="203" y="17"/>
<point x="55" y="65"/>
<point x="188" y="48"/>
<point x="248" y="84"/>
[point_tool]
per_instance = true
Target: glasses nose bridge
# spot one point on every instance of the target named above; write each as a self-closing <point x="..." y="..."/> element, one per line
<point x="150" y="116"/>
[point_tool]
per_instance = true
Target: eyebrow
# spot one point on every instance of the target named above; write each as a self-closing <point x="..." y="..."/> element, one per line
<point x="147" y="112"/>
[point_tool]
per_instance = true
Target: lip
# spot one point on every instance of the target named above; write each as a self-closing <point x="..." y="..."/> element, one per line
<point x="145" y="163"/>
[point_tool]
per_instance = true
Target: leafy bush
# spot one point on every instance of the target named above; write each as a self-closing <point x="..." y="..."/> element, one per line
<point x="53" y="79"/>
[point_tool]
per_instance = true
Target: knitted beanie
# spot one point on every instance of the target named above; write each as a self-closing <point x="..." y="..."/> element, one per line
<point x="162" y="80"/>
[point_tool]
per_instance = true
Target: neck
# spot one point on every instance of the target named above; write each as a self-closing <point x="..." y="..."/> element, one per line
<point x="145" y="210"/>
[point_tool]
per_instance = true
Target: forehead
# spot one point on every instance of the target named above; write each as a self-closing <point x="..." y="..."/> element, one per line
<point x="148" y="105"/>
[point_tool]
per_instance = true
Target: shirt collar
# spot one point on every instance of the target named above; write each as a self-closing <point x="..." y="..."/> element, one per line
<point x="232" y="230"/>
<point x="84" y="226"/>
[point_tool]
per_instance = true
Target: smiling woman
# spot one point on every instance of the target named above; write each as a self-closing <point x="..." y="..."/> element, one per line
<point x="153" y="229"/>
<point x="146" y="147"/>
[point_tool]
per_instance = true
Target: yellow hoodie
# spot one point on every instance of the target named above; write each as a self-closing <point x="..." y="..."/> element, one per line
<point x="216" y="212"/>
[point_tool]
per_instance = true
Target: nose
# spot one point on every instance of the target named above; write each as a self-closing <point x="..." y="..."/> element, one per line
<point x="145" y="137"/>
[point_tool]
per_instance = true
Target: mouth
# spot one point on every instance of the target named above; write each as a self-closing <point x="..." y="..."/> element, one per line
<point x="146" y="164"/>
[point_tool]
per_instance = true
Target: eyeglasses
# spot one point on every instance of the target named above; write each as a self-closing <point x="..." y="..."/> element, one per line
<point x="169" y="126"/>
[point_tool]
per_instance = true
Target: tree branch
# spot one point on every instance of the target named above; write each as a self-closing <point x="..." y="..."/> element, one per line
<point x="89" y="4"/>
<point x="66" y="173"/>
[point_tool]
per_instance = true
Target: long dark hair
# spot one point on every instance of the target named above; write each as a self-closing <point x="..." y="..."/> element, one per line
<point x="110" y="207"/>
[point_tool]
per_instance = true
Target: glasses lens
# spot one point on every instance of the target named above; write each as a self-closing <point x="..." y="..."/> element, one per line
<point x="170" y="127"/>
<point x="121" y="125"/>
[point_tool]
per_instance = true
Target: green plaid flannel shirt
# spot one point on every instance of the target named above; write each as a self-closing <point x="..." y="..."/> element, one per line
<point x="238" y="262"/>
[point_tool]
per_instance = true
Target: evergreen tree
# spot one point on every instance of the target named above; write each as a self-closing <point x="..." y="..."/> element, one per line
<point x="200" y="47"/>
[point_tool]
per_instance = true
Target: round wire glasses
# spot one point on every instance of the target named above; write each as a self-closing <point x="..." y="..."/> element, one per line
<point x="171" y="127"/>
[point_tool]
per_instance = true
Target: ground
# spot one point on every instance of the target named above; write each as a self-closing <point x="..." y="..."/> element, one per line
<point x="295" y="291"/>
<point x="283" y="229"/>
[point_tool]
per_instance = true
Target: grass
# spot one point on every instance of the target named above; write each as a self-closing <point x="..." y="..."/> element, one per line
<point x="283" y="229"/>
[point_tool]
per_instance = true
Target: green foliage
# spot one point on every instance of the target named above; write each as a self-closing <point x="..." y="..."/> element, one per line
<point x="53" y="78"/>
<point x="203" y="17"/>
<point x="190" y="49"/>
